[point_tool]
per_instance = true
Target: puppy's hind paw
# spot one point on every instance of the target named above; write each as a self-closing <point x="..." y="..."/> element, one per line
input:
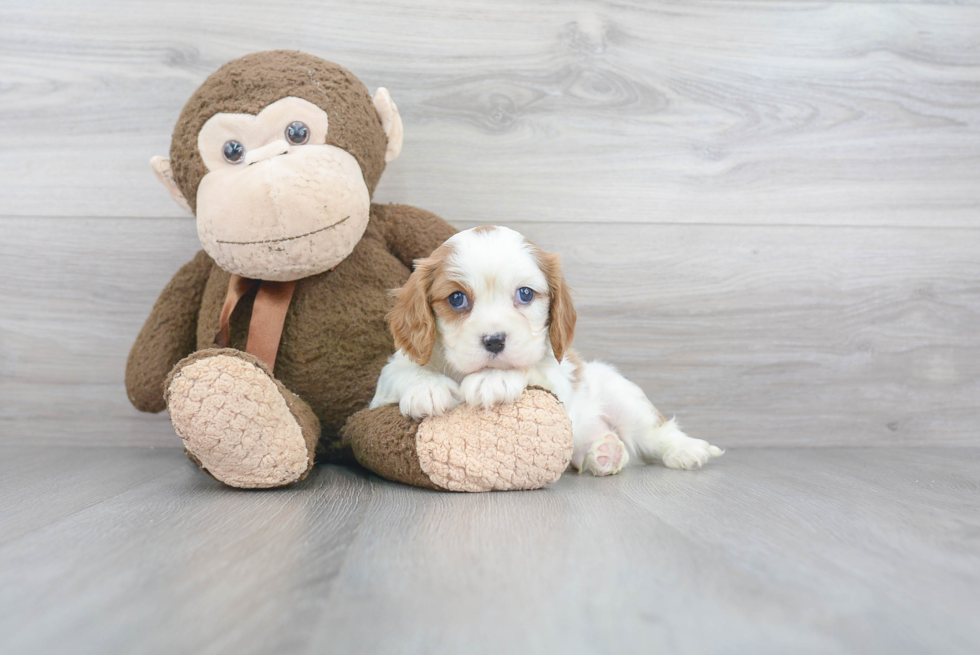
<point x="690" y="454"/>
<point x="607" y="456"/>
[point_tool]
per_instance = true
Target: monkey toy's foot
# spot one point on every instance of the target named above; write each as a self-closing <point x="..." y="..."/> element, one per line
<point x="238" y="422"/>
<point x="523" y="445"/>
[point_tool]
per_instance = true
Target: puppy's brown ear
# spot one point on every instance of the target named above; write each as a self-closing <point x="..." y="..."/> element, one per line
<point x="412" y="322"/>
<point x="562" y="316"/>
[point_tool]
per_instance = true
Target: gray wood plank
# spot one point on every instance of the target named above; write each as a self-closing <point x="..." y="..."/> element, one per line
<point x="720" y="112"/>
<point x="77" y="294"/>
<point x="751" y="335"/>
<point x="765" y="551"/>
<point x="39" y="487"/>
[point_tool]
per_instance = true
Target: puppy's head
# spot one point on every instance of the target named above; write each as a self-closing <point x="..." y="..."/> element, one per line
<point x="490" y="297"/>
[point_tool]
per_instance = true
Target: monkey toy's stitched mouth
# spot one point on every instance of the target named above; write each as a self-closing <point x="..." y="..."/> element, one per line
<point x="298" y="236"/>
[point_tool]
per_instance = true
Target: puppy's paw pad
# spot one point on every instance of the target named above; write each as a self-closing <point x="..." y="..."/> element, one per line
<point x="607" y="456"/>
<point x="690" y="455"/>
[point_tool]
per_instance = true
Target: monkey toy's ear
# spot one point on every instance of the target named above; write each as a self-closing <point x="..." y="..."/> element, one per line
<point x="161" y="166"/>
<point x="391" y="121"/>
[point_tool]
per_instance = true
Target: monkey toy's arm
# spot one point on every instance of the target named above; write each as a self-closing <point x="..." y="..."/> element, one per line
<point x="169" y="335"/>
<point x="412" y="233"/>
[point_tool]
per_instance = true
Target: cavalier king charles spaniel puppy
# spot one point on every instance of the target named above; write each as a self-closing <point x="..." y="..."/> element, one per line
<point x="488" y="314"/>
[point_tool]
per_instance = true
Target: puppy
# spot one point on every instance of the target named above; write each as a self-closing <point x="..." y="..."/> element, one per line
<point x="489" y="313"/>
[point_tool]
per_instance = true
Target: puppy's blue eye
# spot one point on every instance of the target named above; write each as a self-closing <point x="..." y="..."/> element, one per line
<point x="458" y="300"/>
<point x="525" y="295"/>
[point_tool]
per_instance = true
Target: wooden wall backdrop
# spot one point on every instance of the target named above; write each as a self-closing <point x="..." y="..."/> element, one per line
<point x="770" y="210"/>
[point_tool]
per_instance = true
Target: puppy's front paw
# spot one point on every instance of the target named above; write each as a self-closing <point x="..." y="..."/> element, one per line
<point x="431" y="396"/>
<point x="690" y="454"/>
<point x="492" y="386"/>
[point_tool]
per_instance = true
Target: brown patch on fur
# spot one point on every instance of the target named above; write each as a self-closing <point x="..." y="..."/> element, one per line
<point x="412" y="320"/>
<point x="484" y="228"/>
<point x="442" y="287"/>
<point x="578" y="374"/>
<point x="561" y="314"/>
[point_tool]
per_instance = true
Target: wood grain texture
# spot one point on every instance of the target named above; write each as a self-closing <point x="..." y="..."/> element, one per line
<point x="752" y="335"/>
<point x="41" y="486"/>
<point x="720" y="112"/>
<point x="765" y="551"/>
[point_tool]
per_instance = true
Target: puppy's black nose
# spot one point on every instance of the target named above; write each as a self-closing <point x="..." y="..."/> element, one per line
<point x="494" y="342"/>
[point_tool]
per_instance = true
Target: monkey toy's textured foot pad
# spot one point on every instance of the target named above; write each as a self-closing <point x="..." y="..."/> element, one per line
<point x="238" y="422"/>
<point x="525" y="445"/>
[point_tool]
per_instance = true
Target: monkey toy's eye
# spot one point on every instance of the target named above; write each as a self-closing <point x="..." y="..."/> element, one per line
<point x="525" y="295"/>
<point x="458" y="301"/>
<point x="297" y="133"/>
<point x="234" y="152"/>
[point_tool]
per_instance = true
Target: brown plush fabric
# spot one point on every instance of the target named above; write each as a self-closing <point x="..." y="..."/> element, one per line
<point x="383" y="441"/>
<point x="248" y="84"/>
<point x="169" y="334"/>
<point x="334" y="340"/>
<point x="409" y="231"/>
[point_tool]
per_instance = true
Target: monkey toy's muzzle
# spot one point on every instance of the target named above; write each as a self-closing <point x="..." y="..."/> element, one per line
<point x="284" y="214"/>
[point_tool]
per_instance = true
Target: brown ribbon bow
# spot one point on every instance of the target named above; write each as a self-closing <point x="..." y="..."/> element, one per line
<point x="268" y="315"/>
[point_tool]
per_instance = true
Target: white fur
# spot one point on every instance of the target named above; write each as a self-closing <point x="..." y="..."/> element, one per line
<point x="613" y="422"/>
<point x="419" y="391"/>
<point x="494" y="264"/>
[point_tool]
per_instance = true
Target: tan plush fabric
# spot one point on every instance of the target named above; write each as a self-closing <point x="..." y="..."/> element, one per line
<point x="283" y="218"/>
<point x="521" y="446"/>
<point x="238" y="423"/>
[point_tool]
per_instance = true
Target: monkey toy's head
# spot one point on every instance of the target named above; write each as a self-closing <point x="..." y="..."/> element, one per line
<point x="277" y="154"/>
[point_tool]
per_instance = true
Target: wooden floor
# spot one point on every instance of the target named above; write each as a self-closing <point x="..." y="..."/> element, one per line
<point x="806" y="550"/>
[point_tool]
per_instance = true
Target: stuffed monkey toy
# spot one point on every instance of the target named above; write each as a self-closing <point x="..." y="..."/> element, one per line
<point x="267" y="346"/>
